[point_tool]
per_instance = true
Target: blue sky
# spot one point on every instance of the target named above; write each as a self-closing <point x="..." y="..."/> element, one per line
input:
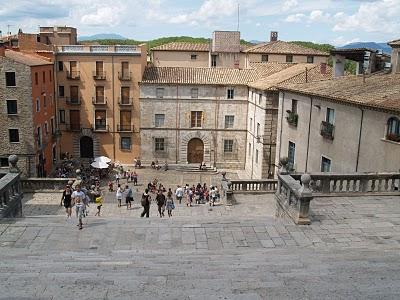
<point x="325" y="21"/>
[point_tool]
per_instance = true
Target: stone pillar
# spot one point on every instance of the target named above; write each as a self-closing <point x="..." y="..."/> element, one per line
<point x="304" y="201"/>
<point x="338" y="65"/>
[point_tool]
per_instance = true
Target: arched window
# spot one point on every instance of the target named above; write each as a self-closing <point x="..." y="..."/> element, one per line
<point x="393" y="129"/>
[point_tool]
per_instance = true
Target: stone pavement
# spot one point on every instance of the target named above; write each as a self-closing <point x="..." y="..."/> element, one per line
<point x="242" y="252"/>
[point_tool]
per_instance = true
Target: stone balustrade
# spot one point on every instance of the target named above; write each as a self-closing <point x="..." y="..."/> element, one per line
<point x="226" y="191"/>
<point x="10" y="195"/>
<point x="356" y="184"/>
<point x="254" y="186"/>
<point x="31" y="185"/>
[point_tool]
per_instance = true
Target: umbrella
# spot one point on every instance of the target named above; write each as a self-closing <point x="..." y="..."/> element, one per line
<point x="103" y="159"/>
<point x="99" y="165"/>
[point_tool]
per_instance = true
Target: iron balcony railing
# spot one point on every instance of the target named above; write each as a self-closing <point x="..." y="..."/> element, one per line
<point x="125" y="101"/>
<point x="99" y="75"/>
<point x="100" y="127"/>
<point x="73" y="75"/>
<point x="125" y="76"/>
<point x="73" y="100"/>
<point x="70" y="127"/>
<point x="124" y="128"/>
<point x="327" y="130"/>
<point x="99" y="100"/>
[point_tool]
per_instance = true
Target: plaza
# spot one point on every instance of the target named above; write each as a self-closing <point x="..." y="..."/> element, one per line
<point x="351" y="249"/>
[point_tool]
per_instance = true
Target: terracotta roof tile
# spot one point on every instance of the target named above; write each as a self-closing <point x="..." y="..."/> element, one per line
<point x="281" y="47"/>
<point x="183" y="46"/>
<point x="378" y="91"/>
<point x="186" y="75"/>
<point x="27" y="59"/>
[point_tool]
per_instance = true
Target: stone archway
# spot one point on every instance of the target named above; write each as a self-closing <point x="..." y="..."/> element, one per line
<point x="204" y="137"/>
<point x="195" y="151"/>
<point x="86" y="147"/>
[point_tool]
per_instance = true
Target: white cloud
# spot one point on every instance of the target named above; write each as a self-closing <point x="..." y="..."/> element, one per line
<point x="313" y="16"/>
<point x="341" y="41"/>
<point x="289" y="4"/>
<point x="376" y="16"/>
<point x="109" y="16"/>
<point x="295" y="18"/>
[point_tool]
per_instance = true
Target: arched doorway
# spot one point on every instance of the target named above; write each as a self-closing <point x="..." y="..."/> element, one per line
<point x="195" y="151"/>
<point x="86" y="147"/>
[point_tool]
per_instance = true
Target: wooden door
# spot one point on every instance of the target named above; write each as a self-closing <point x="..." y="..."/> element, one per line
<point x="125" y="95"/>
<point x="125" y="69"/>
<point x="195" y="152"/>
<point x="125" y="120"/>
<point x="74" y="119"/>
<point x="100" y="94"/>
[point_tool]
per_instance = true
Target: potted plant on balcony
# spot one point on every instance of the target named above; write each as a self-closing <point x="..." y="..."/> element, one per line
<point x="292" y="118"/>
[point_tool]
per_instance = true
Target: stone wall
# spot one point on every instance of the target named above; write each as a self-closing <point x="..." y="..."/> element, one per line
<point x="22" y="121"/>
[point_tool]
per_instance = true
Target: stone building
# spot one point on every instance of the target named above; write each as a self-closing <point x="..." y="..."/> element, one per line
<point x="262" y="112"/>
<point x="98" y="100"/>
<point x="349" y="124"/>
<point x="190" y="115"/>
<point x="28" y="112"/>
<point x="395" y="55"/>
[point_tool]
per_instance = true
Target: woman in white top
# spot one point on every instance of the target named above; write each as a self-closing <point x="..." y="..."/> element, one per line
<point x="119" y="195"/>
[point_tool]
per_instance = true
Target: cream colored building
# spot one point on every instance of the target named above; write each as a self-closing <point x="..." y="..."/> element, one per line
<point x="98" y="100"/>
<point x="349" y="124"/>
<point x="262" y="114"/>
<point x="190" y="115"/>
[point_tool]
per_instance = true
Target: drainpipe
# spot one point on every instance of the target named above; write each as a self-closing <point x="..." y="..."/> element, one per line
<point x="359" y="138"/>
<point x="280" y="133"/>
<point x="308" y="137"/>
<point x="254" y="140"/>
<point x="113" y="100"/>
<point x="216" y="126"/>
<point x="177" y="120"/>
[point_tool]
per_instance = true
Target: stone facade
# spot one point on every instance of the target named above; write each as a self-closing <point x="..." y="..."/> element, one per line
<point x="358" y="144"/>
<point x="177" y="131"/>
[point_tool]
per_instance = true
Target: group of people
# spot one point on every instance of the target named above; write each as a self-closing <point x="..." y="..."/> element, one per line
<point x="199" y="194"/>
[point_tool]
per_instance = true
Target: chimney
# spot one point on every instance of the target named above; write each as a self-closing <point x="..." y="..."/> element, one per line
<point x="323" y="68"/>
<point x="274" y="36"/>
<point x="2" y="49"/>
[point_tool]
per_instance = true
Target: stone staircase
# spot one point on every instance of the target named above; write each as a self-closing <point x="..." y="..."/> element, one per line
<point x="192" y="168"/>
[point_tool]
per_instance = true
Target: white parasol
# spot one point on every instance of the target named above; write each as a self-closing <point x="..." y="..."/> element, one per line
<point x="103" y="159"/>
<point x="99" y="165"/>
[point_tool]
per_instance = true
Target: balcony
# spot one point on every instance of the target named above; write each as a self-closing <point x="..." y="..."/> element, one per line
<point x="73" y="75"/>
<point x="125" y="76"/>
<point x="125" y="101"/>
<point x="73" y="100"/>
<point x="100" y="127"/>
<point x="292" y="118"/>
<point x="124" y="128"/>
<point x="99" y="75"/>
<point x="99" y="100"/>
<point x="393" y="137"/>
<point x="327" y="130"/>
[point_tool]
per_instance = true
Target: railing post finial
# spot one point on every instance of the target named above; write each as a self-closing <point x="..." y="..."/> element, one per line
<point x="305" y="184"/>
<point x="283" y="169"/>
<point x="12" y="160"/>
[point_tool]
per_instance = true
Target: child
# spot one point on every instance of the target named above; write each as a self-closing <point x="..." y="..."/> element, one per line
<point x="99" y="202"/>
<point x="110" y="186"/>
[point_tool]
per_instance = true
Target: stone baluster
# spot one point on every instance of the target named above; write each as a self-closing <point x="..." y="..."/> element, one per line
<point x="372" y="185"/>
<point x="305" y="198"/>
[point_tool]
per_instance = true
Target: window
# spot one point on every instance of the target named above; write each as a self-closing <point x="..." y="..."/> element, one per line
<point x="325" y="164"/>
<point x="37" y="104"/>
<point x="256" y="156"/>
<point x="39" y="136"/>
<point x="61" y="116"/>
<point x="10" y="79"/>
<point x="100" y="121"/>
<point x="291" y="154"/>
<point x="264" y="58"/>
<point x="60" y="66"/>
<point x="289" y="58"/>
<point x="125" y="118"/>
<point x="74" y="93"/>
<point x="258" y="129"/>
<point x="259" y="99"/>
<point x="125" y="92"/>
<point x="44" y="76"/>
<point x="213" y="60"/>
<point x="310" y="59"/>
<point x="100" y="95"/>
<point x="46" y="128"/>
<point x="44" y="102"/>
<point x="36" y="78"/>
<point x="193" y="57"/>
<point x="159" y="144"/>
<point x="228" y="146"/>
<point x="194" y="93"/>
<point x="160" y="93"/>
<point x="330" y="115"/>
<point x="12" y="107"/>
<point x="3" y="162"/>
<point x="196" y="119"/>
<point x="125" y="70"/>
<point x="159" y="120"/>
<point x="230" y="93"/>
<point x="61" y="91"/>
<point x="393" y="129"/>
<point x="229" y="120"/>
<point x="294" y="106"/>
<point x="126" y="143"/>
<point x="13" y="135"/>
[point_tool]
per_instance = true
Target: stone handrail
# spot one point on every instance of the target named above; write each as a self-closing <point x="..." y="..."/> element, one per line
<point x="331" y="184"/>
<point x="294" y="197"/>
<point x="254" y="186"/>
<point x="31" y="185"/>
<point x="10" y="195"/>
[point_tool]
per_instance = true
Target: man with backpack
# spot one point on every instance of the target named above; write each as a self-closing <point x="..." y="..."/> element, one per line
<point x="146" y="203"/>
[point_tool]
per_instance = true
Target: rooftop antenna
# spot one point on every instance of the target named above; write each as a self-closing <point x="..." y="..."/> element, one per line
<point x="238" y="17"/>
<point x="8" y="29"/>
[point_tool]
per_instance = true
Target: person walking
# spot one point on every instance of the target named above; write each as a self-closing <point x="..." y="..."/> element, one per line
<point x="213" y="195"/>
<point x="119" y="195"/>
<point x="99" y="203"/>
<point x="117" y="177"/>
<point x="145" y="203"/>
<point x="128" y="193"/>
<point x="190" y="197"/>
<point x="160" y="199"/>
<point x="135" y="178"/>
<point x="66" y="200"/>
<point x="77" y="197"/>
<point x="179" y="194"/>
<point x="170" y="203"/>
